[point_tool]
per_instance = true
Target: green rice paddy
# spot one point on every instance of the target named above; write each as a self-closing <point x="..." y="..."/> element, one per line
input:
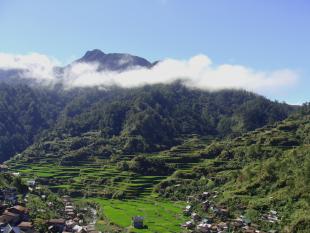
<point x="159" y="215"/>
<point x="93" y="179"/>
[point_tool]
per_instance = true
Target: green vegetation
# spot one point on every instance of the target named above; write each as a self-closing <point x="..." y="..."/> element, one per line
<point x="160" y="216"/>
<point x="105" y="177"/>
<point x="24" y="114"/>
<point x="146" y="119"/>
<point x="9" y="181"/>
<point x="144" y="151"/>
<point x="43" y="209"/>
<point x="265" y="170"/>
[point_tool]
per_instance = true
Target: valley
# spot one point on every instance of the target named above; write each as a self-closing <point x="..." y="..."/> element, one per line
<point x="176" y="158"/>
<point x="242" y="171"/>
<point x="121" y="194"/>
<point x="159" y="116"/>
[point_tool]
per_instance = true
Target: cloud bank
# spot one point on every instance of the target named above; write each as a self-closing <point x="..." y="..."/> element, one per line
<point x="196" y="72"/>
<point x="33" y="66"/>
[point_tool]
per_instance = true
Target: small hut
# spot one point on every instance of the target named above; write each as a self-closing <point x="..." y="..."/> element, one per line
<point x="137" y="222"/>
<point x="3" y="168"/>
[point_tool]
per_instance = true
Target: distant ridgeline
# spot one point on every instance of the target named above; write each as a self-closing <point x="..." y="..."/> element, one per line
<point x="146" y="119"/>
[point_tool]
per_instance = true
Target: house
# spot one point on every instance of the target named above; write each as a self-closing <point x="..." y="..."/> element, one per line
<point x="70" y="214"/>
<point x="1" y="195"/>
<point x="56" y="225"/>
<point x="31" y="183"/>
<point x="79" y="229"/>
<point x="223" y="213"/>
<point x="26" y="227"/>
<point x="187" y="210"/>
<point x="2" y="208"/>
<point x="10" y="195"/>
<point x="70" y="224"/>
<point x="3" y="168"/>
<point x="206" y="194"/>
<point x="10" y="229"/>
<point x="69" y="209"/>
<point x="206" y="205"/>
<point x="90" y="228"/>
<point x="137" y="222"/>
<point x="203" y="227"/>
<point x="66" y="199"/>
<point x="18" y="209"/>
<point x="189" y="225"/>
<point x="16" y="174"/>
<point x="9" y="218"/>
<point x="223" y="226"/>
<point x="195" y="217"/>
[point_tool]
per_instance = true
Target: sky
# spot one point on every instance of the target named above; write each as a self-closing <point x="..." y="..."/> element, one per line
<point x="264" y="36"/>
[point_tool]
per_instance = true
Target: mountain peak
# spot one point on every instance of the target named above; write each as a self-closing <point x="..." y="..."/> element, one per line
<point x="114" y="61"/>
<point x="93" y="55"/>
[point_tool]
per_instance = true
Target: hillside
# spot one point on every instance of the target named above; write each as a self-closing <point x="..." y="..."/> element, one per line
<point x="30" y="110"/>
<point x="143" y="143"/>
<point x="88" y="153"/>
<point x="24" y="114"/>
<point x="261" y="171"/>
<point x="146" y="119"/>
<point x="253" y="174"/>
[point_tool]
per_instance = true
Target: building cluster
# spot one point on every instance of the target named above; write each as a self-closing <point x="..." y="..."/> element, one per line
<point x="73" y="222"/>
<point x="219" y="219"/>
<point x="14" y="216"/>
<point x="271" y="217"/>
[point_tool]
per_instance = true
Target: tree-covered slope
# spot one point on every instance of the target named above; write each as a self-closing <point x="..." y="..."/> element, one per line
<point x="146" y="119"/>
<point x="155" y="117"/>
<point x="264" y="170"/>
<point x="24" y="114"/>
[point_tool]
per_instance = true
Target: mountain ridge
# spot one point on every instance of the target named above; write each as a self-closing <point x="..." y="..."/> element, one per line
<point x="118" y="62"/>
<point x="129" y="116"/>
<point x="106" y="62"/>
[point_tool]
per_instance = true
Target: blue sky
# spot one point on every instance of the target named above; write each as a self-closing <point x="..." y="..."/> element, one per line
<point x="261" y="34"/>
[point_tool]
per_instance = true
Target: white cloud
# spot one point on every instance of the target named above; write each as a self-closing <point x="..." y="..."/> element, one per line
<point x="197" y="72"/>
<point x="34" y="66"/>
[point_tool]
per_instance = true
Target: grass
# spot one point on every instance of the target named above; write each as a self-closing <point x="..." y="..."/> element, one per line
<point x="100" y="178"/>
<point x="160" y="215"/>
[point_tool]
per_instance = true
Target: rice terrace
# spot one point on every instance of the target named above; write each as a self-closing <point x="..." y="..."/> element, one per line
<point x="159" y="116"/>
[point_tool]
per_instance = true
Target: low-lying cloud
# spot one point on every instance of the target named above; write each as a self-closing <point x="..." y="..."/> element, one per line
<point x="196" y="72"/>
<point x="33" y="66"/>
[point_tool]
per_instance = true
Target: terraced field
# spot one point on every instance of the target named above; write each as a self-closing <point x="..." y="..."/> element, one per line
<point x="89" y="178"/>
<point x="101" y="178"/>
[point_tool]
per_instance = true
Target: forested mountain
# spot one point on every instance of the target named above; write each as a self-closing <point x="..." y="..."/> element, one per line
<point x="107" y="62"/>
<point x="24" y="114"/>
<point x="149" y="118"/>
<point x="165" y="138"/>
<point x="153" y="117"/>
<point x="256" y="167"/>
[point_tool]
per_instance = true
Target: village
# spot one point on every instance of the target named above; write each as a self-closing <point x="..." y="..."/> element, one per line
<point x="15" y="216"/>
<point x="219" y="219"/>
<point x="204" y="215"/>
